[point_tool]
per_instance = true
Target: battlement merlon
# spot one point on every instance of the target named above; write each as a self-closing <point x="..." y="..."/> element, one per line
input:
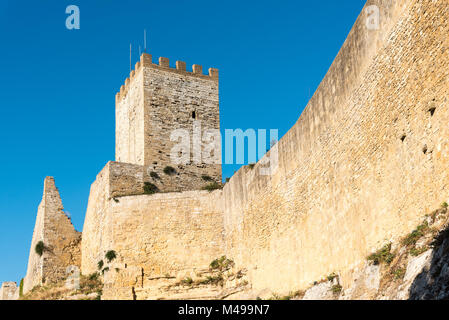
<point x="146" y="60"/>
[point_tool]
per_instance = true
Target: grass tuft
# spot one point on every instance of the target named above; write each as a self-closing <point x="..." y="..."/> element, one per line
<point x="398" y="274"/>
<point x="383" y="255"/>
<point x="416" y="234"/>
<point x="221" y="264"/>
<point x="336" y="289"/>
<point x="213" y="186"/>
<point x="110" y="255"/>
<point x="154" y="175"/>
<point x="169" y="171"/>
<point x="150" y="188"/>
<point x="40" y="247"/>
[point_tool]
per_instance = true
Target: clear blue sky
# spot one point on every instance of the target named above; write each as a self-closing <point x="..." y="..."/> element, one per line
<point x="58" y="86"/>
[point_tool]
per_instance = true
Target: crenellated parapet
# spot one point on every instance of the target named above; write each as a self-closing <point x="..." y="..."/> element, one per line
<point x="157" y="98"/>
<point x="146" y="60"/>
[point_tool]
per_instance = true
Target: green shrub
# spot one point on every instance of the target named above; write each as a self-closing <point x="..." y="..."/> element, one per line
<point x="336" y="289"/>
<point x="416" y="252"/>
<point x="187" y="281"/>
<point x="383" y="255"/>
<point x="94" y="276"/>
<point x="105" y="270"/>
<point x="398" y="273"/>
<point x="169" y="170"/>
<point x="418" y="233"/>
<point x="40" y="247"/>
<point x="100" y="264"/>
<point x="110" y="255"/>
<point x="150" y="188"/>
<point x="213" y="186"/>
<point x="332" y="276"/>
<point x="221" y="264"/>
<point x="228" y="179"/>
<point x="212" y="280"/>
<point x="444" y="205"/>
<point x="290" y="296"/>
<point x="154" y="175"/>
<point x="21" y="288"/>
<point x="206" y="178"/>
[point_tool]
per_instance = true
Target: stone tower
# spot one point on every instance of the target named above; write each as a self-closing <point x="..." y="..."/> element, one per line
<point x="156" y="100"/>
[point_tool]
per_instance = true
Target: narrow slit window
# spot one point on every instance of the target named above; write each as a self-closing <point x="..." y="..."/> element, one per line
<point x="193" y="115"/>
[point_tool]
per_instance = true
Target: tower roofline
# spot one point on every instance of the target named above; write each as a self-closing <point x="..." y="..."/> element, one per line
<point x="146" y="60"/>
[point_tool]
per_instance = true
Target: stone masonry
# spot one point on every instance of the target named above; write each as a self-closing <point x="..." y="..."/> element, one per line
<point x="364" y="164"/>
<point x="156" y="100"/>
<point x="354" y="172"/>
<point x="62" y="243"/>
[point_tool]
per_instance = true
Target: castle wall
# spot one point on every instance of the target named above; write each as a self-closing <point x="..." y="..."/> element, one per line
<point x="94" y="236"/>
<point x="34" y="273"/>
<point x="129" y="121"/>
<point x="367" y="159"/>
<point x="62" y="242"/>
<point x="153" y="235"/>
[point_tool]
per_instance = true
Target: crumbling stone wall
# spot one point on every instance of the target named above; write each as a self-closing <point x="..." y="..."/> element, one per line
<point x="61" y="241"/>
<point x="9" y="291"/>
<point x="367" y="159"/>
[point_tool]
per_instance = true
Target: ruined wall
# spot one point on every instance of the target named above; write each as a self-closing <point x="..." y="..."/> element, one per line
<point x="9" y="291"/>
<point x="367" y="159"/>
<point x="158" y="99"/>
<point x="62" y="242"/>
<point x="153" y="235"/>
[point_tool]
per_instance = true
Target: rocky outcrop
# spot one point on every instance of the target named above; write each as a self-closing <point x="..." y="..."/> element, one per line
<point x="414" y="268"/>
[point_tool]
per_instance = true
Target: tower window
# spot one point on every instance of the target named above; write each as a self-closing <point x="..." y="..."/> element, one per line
<point x="193" y="115"/>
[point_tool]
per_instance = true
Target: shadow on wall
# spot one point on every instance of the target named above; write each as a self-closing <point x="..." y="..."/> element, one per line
<point x="433" y="282"/>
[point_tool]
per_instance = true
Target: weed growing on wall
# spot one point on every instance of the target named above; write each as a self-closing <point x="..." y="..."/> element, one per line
<point x="40" y="247"/>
